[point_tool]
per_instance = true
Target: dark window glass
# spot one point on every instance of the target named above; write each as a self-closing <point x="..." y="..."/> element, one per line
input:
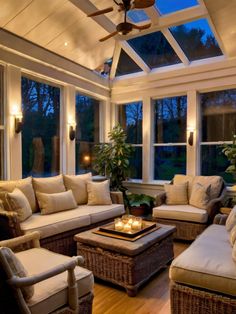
<point x="218" y="115"/>
<point x="169" y="6"/>
<point x="137" y="16"/>
<point x="196" y="40"/>
<point x="130" y="118"/>
<point x="136" y="163"/>
<point x="169" y="160"/>
<point x="214" y="162"/>
<point x="87" y="131"/>
<point x="41" y="125"/>
<point x="126" y="65"/>
<point x="155" y="50"/>
<point x="170" y="120"/>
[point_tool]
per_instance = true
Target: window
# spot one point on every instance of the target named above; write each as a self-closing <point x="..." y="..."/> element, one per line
<point x="126" y="65"/>
<point x="169" y="137"/>
<point x="130" y="118"/>
<point x="41" y="128"/>
<point x="1" y="122"/>
<point x="155" y="50"/>
<point x="170" y="6"/>
<point x="196" y="40"/>
<point x="87" y="131"/>
<point x="218" y="125"/>
<point x="137" y="16"/>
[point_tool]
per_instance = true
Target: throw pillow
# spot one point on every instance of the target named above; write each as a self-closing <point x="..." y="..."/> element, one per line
<point x="49" y="185"/>
<point x="78" y="185"/>
<point x="20" y="204"/>
<point x="56" y="202"/>
<point x="176" y="194"/>
<point x="231" y="220"/>
<point x="234" y="252"/>
<point x="17" y="269"/>
<point x="232" y="237"/>
<point x="25" y="185"/>
<point x="200" y="196"/>
<point x="99" y="193"/>
<point x="181" y="179"/>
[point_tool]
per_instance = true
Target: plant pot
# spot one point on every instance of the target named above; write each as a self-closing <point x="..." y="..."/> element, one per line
<point x="138" y="210"/>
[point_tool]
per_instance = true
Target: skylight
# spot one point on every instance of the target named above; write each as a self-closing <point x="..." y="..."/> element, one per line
<point x="137" y="16"/>
<point x="170" y="6"/>
<point x="155" y="50"/>
<point x="126" y="65"/>
<point x="196" y="40"/>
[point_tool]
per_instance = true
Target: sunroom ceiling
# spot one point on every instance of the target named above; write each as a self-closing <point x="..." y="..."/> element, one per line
<point x="62" y="26"/>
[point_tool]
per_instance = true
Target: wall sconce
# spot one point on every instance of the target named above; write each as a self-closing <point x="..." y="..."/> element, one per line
<point x="72" y="127"/>
<point x="18" y="122"/>
<point x="190" y="137"/>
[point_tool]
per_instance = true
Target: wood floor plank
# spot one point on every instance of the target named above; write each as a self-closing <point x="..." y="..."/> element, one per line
<point x="152" y="298"/>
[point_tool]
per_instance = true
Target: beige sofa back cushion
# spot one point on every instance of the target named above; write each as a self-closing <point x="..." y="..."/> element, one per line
<point x="20" y="204"/>
<point x="176" y="194"/>
<point x="78" y="185"/>
<point x="49" y="185"/>
<point x="56" y="202"/>
<point x="232" y="236"/>
<point x="99" y="193"/>
<point x="231" y="220"/>
<point x="181" y="179"/>
<point x="25" y="185"/>
<point x="215" y="182"/>
<point x="200" y="196"/>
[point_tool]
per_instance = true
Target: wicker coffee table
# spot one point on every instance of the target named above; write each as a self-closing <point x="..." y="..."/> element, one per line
<point x="127" y="264"/>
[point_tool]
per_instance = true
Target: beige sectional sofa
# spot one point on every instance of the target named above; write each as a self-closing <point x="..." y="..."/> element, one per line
<point x="203" y="277"/>
<point x="58" y="227"/>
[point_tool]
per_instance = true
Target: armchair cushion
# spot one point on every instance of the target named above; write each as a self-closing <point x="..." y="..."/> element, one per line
<point x="181" y="212"/>
<point x="16" y="269"/>
<point x="51" y="293"/>
<point x="99" y="193"/>
<point x="181" y="179"/>
<point x="200" y="195"/>
<point x="78" y="185"/>
<point x="232" y="236"/>
<point x="20" y="204"/>
<point x="56" y="202"/>
<point x="25" y="185"/>
<point x="49" y="185"/>
<point x="176" y="194"/>
<point x="231" y="220"/>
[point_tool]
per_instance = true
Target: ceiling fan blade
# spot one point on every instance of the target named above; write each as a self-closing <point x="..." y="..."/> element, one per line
<point x="108" y="36"/>
<point x="142" y="4"/>
<point x="99" y="12"/>
<point x="141" y="27"/>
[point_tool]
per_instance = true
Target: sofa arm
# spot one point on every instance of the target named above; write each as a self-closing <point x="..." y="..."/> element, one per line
<point x="117" y="197"/>
<point x="9" y="225"/>
<point x="32" y="237"/>
<point x="220" y="219"/>
<point x="214" y="206"/>
<point x="160" y="198"/>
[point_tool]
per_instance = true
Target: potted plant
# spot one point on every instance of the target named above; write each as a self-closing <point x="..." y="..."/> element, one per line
<point x="112" y="159"/>
<point x="140" y="204"/>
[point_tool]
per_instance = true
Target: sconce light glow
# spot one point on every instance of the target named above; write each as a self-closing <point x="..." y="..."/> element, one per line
<point x="190" y="137"/>
<point x="18" y="118"/>
<point x="72" y="126"/>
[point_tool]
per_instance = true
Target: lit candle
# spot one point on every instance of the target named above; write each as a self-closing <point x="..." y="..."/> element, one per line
<point x="137" y="224"/>
<point x="127" y="227"/>
<point x="119" y="225"/>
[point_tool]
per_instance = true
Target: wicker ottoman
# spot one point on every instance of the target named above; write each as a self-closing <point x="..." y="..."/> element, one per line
<point x="127" y="264"/>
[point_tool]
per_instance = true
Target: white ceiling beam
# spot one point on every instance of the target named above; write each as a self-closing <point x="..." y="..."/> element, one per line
<point x="87" y="7"/>
<point x="134" y="56"/>
<point x="152" y="13"/>
<point x="167" y="33"/>
<point x="115" y="60"/>
<point x="173" y="19"/>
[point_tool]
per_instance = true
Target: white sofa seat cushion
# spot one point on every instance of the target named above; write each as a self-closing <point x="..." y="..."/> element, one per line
<point x="102" y="212"/>
<point x="52" y="293"/>
<point x="49" y="225"/>
<point x="181" y="212"/>
<point x="207" y="263"/>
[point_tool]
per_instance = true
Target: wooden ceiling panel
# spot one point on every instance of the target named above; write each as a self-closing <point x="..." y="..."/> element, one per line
<point x="115" y="16"/>
<point x="32" y="15"/>
<point x="55" y="24"/>
<point x="10" y="8"/>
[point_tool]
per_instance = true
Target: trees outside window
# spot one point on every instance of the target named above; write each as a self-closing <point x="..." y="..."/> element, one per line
<point x="87" y="131"/>
<point x="130" y="117"/>
<point x="41" y="128"/>
<point x="169" y="137"/>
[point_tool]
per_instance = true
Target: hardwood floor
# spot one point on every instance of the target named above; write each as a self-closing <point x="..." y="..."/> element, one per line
<point x="152" y="298"/>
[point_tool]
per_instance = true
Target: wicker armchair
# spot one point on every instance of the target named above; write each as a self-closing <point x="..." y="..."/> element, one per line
<point x="188" y="228"/>
<point x="53" y="293"/>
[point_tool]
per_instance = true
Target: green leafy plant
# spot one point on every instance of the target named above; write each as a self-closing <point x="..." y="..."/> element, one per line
<point x="140" y="199"/>
<point x="112" y="159"/>
<point x="230" y="152"/>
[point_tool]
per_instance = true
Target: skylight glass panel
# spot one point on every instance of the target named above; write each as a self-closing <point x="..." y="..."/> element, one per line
<point x="126" y="65"/>
<point x="196" y="40"/>
<point x="155" y="50"/>
<point x="170" y="6"/>
<point x="137" y="16"/>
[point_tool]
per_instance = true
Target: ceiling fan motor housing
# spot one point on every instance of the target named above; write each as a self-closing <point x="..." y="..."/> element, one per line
<point x="124" y="28"/>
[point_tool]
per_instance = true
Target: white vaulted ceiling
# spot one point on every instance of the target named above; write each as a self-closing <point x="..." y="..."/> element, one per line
<point x="62" y="26"/>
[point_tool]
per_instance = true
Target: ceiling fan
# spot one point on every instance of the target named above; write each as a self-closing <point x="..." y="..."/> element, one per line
<point x="125" y="5"/>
